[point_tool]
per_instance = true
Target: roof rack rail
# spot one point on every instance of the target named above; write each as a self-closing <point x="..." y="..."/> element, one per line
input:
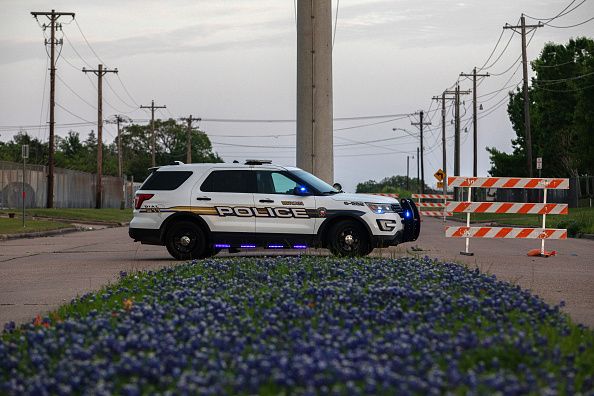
<point x="257" y="162"/>
<point x="177" y="163"/>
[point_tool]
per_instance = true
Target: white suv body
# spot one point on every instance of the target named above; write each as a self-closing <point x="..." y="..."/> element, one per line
<point x="198" y="209"/>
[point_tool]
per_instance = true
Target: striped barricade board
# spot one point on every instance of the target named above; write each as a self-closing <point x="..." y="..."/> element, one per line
<point x="387" y="195"/>
<point x="507" y="182"/>
<point x="434" y="213"/>
<point x="507" y="207"/>
<point x="432" y="204"/>
<point x="432" y="196"/>
<point x="505" y="232"/>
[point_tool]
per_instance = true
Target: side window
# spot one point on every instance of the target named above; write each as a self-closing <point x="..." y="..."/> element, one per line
<point x="275" y="183"/>
<point x="165" y="180"/>
<point x="232" y="181"/>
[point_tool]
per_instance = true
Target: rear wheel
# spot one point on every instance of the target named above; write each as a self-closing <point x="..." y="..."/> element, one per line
<point x="186" y="240"/>
<point x="350" y="239"/>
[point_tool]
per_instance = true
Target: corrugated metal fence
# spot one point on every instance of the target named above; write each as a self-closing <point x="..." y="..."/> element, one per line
<point x="72" y="189"/>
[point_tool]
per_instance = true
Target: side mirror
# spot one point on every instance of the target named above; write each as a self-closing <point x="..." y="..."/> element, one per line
<point x="301" y="191"/>
<point x="337" y="186"/>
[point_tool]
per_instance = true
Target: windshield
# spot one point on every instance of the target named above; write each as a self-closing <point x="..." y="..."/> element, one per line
<point x="314" y="182"/>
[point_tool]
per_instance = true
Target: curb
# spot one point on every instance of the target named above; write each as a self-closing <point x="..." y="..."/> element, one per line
<point x="4" y="237"/>
<point x="90" y="222"/>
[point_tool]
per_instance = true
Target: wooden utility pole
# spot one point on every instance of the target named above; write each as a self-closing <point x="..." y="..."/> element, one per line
<point x="456" y="92"/>
<point x="523" y="28"/>
<point x="120" y="119"/>
<point x="420" y="124"/>
<point x="418" y="178"/>
<point x="443" y="99"/>
<point x="189" y="120"/>
<point x="99" y="72"/>
<point x="474" y="75"/>
<point x="53" y="17"/>
<point x="153" y="107"/>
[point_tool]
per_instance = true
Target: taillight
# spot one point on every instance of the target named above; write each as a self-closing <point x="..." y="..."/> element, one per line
<point x="140" y="198"/>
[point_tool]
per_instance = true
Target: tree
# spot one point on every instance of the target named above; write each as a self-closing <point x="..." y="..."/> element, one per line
<point x="72" y="153"/>
<point x="561" y="114"/>
<point x="390" y="185"/>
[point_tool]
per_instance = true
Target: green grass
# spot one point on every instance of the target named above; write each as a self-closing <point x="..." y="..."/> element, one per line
<point x="15" y="226"/>
<point x="102" y="215"/>
<point x="579" y="220"/>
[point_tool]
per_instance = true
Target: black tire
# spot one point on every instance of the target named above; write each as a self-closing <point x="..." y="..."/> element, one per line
<point x="186" y="240"/>
<point x="347" y="238"/>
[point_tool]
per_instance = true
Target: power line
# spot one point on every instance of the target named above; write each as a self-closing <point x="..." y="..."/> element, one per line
<point x="72" y="114"/>
<point x="335" y="23"/>
<point x="560" y="14"/>
<point x="570" y="26"/>
<point x="88" y="44"/>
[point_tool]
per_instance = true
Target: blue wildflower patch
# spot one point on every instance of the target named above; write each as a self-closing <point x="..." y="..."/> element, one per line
<point x="301" y="325"/>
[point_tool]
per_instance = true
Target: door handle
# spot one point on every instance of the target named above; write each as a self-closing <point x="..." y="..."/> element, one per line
<point x="202" y="199"/>
<point x="266" y="201"/>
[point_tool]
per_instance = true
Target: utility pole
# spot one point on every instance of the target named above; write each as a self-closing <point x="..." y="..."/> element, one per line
<point x="189" y="120"/>
<point x="315" y="148"/>
<point x="420" y="124"/>
<point x="522" y="28"/>
<point x="99" y="72"/>
<point x="407" y="173"/>
<point x="153" y="107"/>
<point x="474" y="75"/>
<point x="53" y="17"/>
<point x="418" y="179"/>
<point x="119" y="119"/>
<point x="443" y="99"/>
<point x="457" y="94"/>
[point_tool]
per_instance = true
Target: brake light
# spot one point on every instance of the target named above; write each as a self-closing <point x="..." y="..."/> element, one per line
<point x="140" y="198"/>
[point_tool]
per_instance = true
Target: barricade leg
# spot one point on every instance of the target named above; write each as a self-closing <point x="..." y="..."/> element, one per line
<point x="469" y="199"/>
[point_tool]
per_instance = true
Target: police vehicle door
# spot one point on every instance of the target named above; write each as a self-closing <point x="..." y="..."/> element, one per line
<point x="279" y="210"/>
<point x="225" y="200"/>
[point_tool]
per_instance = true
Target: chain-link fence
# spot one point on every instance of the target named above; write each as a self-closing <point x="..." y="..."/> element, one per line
<point x="72" y="189"/>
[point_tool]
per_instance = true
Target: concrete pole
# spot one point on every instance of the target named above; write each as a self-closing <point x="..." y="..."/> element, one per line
<point x="315" y="151"/>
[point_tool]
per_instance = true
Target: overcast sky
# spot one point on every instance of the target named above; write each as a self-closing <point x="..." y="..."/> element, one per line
<point x="237" y="60"/>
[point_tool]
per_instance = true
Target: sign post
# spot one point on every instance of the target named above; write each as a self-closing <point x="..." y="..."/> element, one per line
<point x="25" y="155"/>
<point x="440" y="176"/>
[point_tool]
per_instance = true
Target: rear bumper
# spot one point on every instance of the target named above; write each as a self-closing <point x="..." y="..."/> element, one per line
<point x="147" y="236"/>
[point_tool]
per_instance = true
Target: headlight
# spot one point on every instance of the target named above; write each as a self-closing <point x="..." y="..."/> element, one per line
<point x="380" y="208"/>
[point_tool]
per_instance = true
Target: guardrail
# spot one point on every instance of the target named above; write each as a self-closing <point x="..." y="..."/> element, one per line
<point x="543" y="209"/>
<point x="435" y="213"/>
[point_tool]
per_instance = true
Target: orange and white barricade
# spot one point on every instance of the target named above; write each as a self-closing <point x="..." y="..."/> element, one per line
<point x="387" y="195"/>
<point x="434" y="213"/>
<point x="543" y="209"/>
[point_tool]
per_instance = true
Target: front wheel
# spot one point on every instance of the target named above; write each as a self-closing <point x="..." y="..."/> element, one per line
<point x="350" y="239"/>
<point x="185" y="240"/>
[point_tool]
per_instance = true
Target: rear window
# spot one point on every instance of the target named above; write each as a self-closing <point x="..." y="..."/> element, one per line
<point x="232" y="181"/>
<point x="166" y="180"/>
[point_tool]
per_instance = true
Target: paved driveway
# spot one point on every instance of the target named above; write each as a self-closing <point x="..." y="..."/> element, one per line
<point x="38" y="275"/>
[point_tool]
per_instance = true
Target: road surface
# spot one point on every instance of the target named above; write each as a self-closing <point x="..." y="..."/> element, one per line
<point x="38" y="275"/>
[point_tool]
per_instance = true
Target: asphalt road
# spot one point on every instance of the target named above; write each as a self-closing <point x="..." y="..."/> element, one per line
<point x="38" y="275"/>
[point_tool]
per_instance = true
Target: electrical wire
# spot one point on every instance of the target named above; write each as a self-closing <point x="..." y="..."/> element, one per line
<point x="567" y="90"/>
<point x="71" y="113"/>
<point x="560" y="14"/>
<point x="493" y="51"/>
<point x="88" y="44"/>
<point x="74" y="92"/>
<point x="335" y="24"/>
<point x="570" y="26"/>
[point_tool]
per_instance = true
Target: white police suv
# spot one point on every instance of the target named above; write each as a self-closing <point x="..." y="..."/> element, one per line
<point x="196" y="210"/>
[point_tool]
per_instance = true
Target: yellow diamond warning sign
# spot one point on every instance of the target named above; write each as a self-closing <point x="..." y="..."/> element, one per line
<point x="439" y="175"/>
